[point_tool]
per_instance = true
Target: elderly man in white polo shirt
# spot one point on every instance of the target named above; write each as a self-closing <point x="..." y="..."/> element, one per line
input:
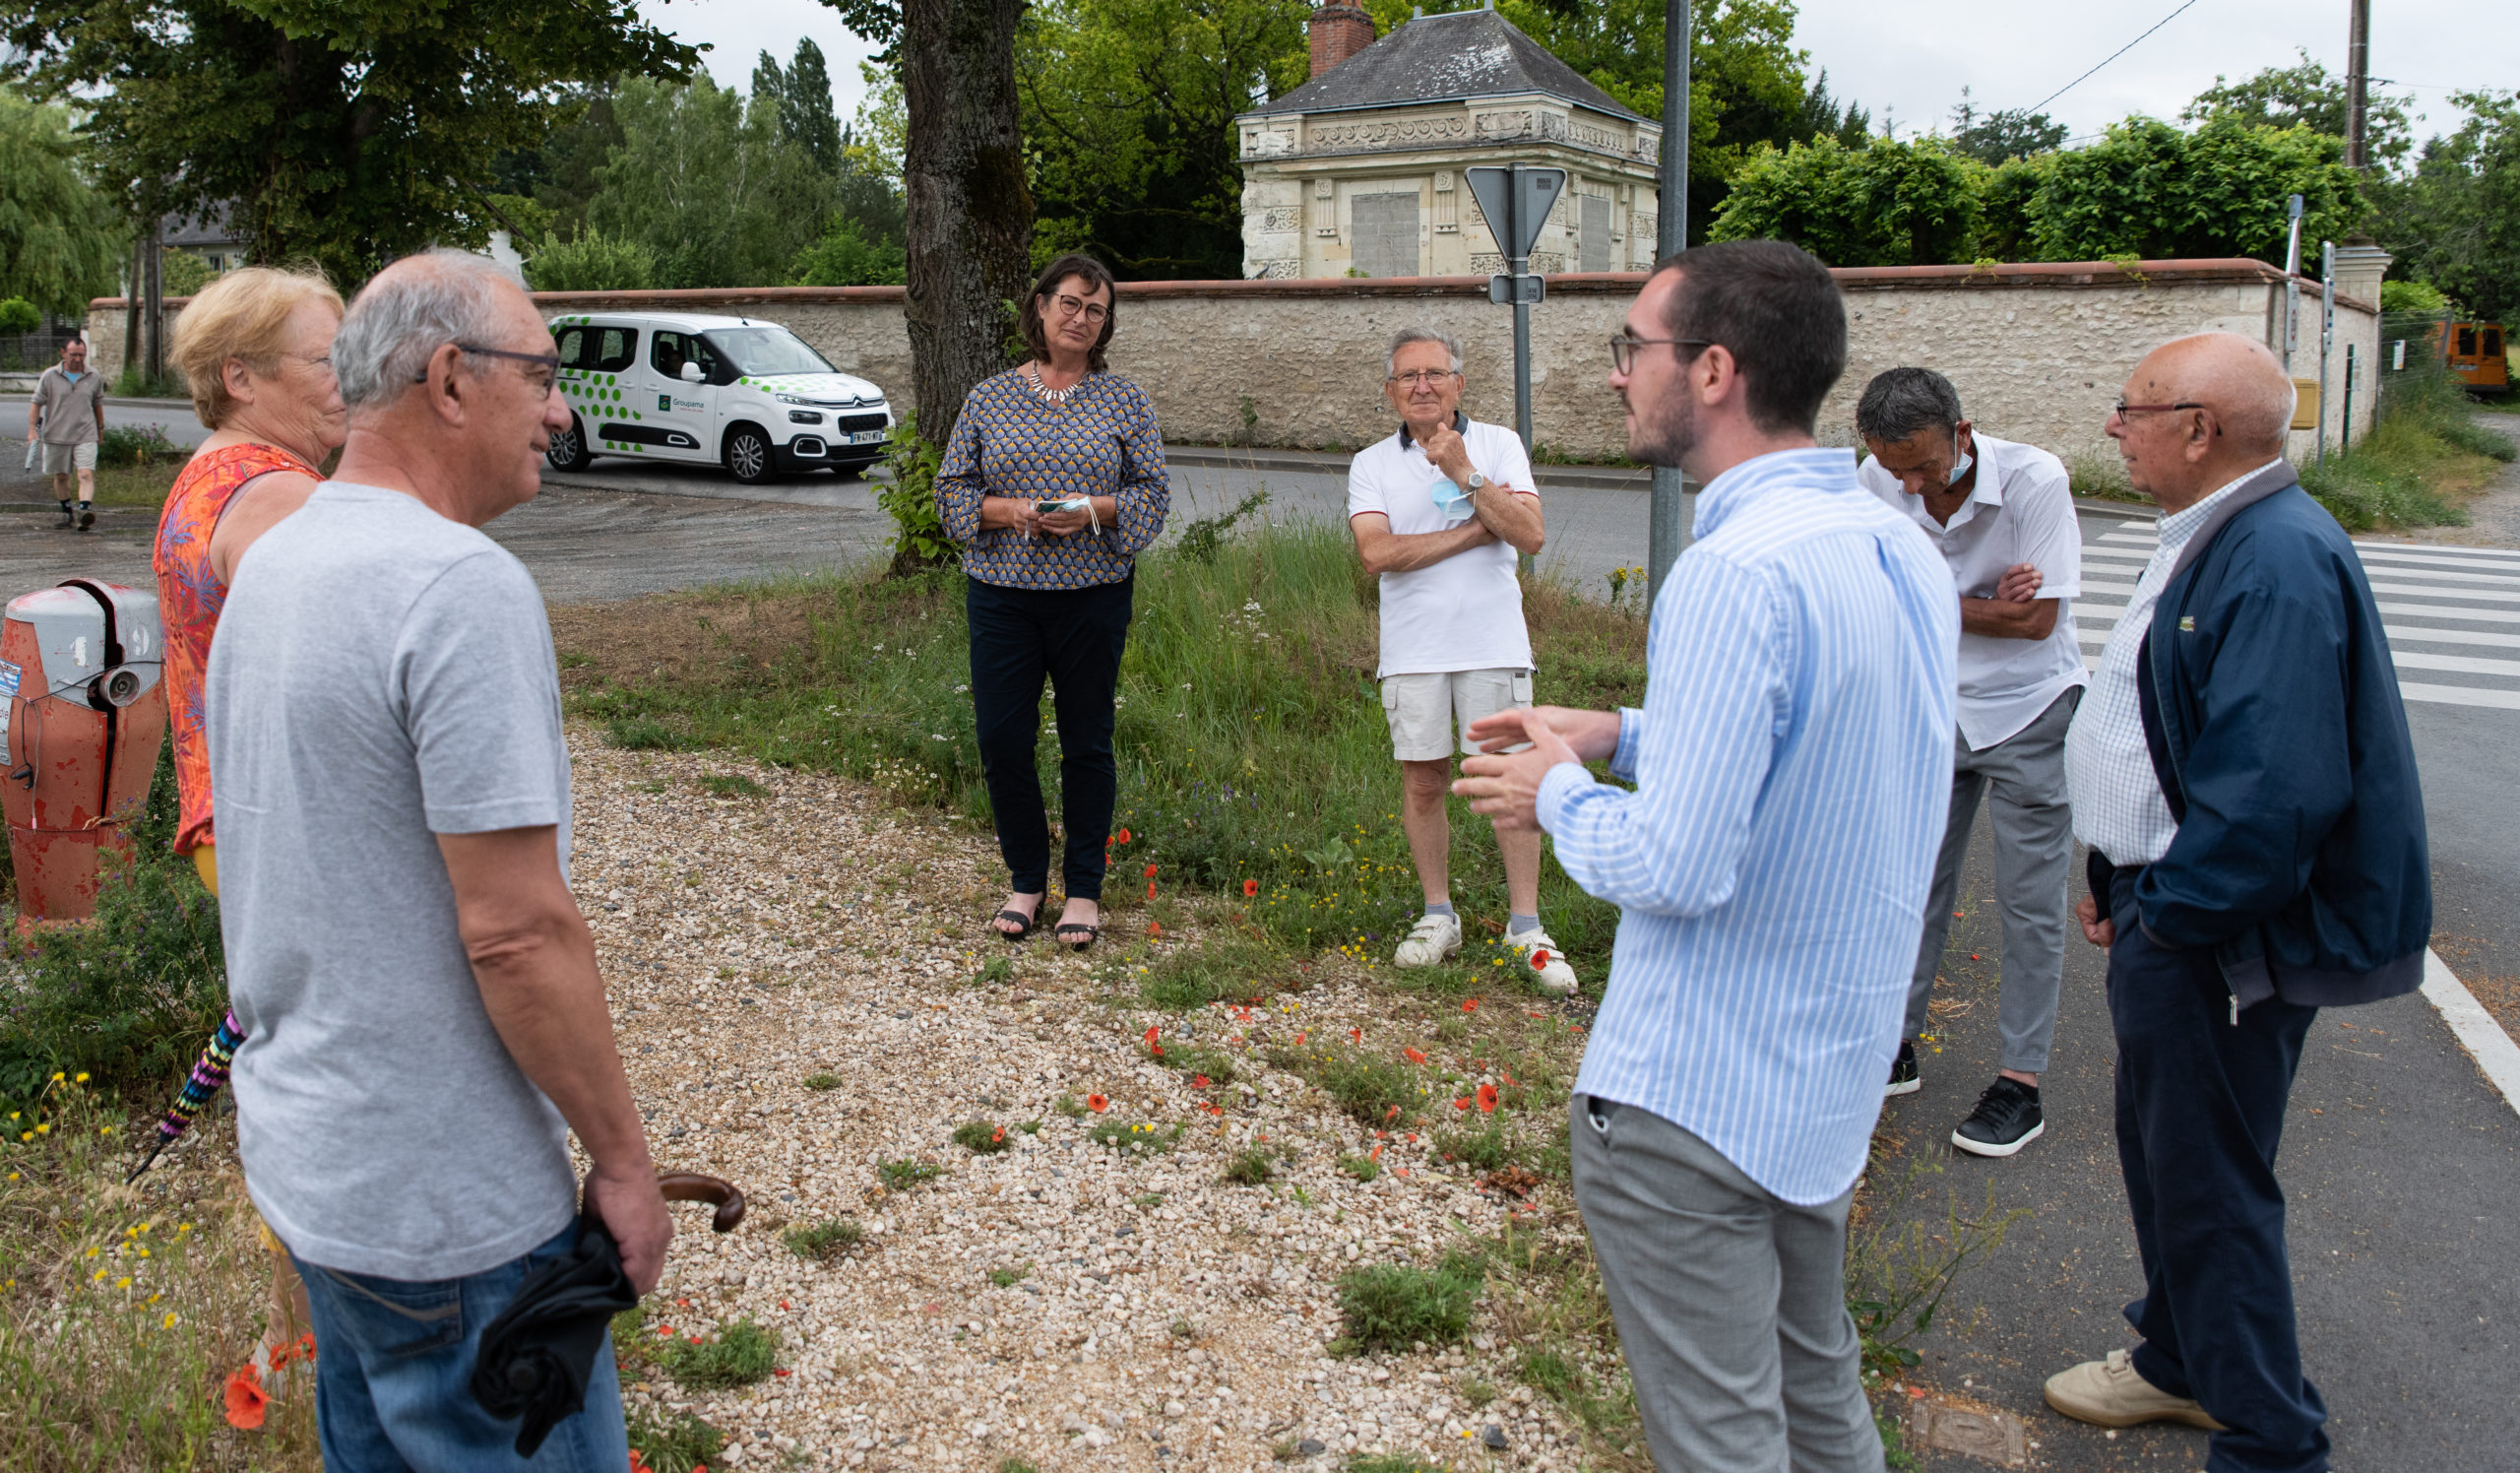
<point x="1439" y="510"/>
<point x="2004" y="521"/>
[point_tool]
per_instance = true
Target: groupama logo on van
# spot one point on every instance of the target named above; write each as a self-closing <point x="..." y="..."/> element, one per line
<point x="732" y="391"/>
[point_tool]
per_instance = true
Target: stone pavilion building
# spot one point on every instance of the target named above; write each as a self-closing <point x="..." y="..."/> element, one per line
<point x="1357" y="172"/>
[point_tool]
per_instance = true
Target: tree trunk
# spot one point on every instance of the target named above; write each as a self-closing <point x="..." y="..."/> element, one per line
<point x="153" y="325"/>
<point x="971" y="214"/>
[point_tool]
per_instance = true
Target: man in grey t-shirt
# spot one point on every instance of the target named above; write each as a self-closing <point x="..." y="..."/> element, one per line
<point x="424" y="1024"/>
<point x="65" y="422"/>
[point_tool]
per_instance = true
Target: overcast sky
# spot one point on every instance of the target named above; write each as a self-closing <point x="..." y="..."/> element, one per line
<point x="1913" y="56"/>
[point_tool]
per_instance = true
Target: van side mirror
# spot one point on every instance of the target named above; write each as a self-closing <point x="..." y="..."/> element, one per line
<point x="691" y="373"/>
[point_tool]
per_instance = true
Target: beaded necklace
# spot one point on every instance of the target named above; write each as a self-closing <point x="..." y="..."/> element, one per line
<point x="1050" y="395"/>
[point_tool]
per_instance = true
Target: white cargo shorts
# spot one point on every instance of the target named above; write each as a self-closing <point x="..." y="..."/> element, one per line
<point x="1422" y="709"/>
<point x="61" y="459"/>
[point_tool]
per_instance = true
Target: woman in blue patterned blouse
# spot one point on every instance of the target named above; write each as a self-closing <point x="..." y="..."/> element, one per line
<point x="1048" y="592"/>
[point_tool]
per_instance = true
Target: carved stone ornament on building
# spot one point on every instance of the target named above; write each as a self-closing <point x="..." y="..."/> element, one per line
<point x="1395" y="133"/>
<point x="1283" y="217"/>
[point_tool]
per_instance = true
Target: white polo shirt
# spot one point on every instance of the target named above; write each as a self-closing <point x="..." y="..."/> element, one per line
<point x="2019" y="511"/>
<point x="1464" y="612"/>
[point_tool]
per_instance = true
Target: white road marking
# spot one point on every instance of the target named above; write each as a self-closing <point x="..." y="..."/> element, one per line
<point x="2497" y="1058"/>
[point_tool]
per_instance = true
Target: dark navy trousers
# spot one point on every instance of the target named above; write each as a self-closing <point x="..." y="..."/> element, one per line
<point x="1074" y="637"/>
<point x="2200" y="1108"/>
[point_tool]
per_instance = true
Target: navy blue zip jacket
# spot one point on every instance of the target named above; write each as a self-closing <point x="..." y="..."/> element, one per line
<point x="2272" y="710"/>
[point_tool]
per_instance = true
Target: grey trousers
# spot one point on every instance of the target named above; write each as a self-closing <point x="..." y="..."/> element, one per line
<point x="1730" y="1304"/>
<point x="2034" y="851"/>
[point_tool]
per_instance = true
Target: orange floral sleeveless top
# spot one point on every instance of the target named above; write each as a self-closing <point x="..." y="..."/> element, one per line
<point x="189" y="598"/>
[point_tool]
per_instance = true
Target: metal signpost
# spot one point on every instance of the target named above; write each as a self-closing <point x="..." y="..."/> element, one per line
<point x="2292" y="285"/>
<point x="1516" y="199"/>
<point x="1667" y="527"/>
<point x="2327" y="333"/>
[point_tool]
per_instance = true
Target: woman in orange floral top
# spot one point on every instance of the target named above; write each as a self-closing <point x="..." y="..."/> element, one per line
<point x="257" y="347"/>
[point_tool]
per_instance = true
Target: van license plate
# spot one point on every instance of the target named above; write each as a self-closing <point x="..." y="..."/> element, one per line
<point x="868" y="438"/>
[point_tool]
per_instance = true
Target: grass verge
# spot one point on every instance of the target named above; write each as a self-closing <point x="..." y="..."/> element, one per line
<point x="738" y="1355"/>
<point x="2424" y="456"/>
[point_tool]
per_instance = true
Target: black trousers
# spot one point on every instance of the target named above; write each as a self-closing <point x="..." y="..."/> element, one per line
<point x="2200" y="1108"/>
<point x="1075" y="637"/>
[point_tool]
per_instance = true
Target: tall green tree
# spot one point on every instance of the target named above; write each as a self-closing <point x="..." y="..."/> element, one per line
<point x="2456" y="222"/>
<point x="61" y="241"/>
<point x="802" y="91"/>
<point x="2149" y="190"/>
<point x="1881" y="204"/>
<point x="708" y="185"/>
<point x="2306" y="95"/>
<point x="1991" y="138"/>
<point x="348" y="131"/>
<point x="1128" y="118"/>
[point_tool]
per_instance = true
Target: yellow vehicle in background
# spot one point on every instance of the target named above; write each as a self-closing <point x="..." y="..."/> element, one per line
<point x="2474" y="353"/>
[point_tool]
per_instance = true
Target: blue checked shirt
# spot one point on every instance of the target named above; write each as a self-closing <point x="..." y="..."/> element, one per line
<point x="1793" y="767"/>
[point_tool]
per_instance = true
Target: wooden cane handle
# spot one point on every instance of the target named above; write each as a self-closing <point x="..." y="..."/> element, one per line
<point x="692" y="1187"/>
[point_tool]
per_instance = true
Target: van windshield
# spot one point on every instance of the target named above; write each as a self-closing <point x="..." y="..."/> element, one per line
<point x="758" y="351"/>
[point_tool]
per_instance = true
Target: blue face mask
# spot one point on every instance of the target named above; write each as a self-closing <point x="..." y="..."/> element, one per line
<point x="1450" y="500"/>
<point x="1958" y="468"/>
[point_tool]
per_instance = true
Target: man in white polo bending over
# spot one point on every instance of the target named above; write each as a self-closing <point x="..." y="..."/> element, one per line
<point x="1438" y="511"/>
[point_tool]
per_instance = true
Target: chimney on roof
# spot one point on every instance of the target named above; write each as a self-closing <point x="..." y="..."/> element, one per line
<point x="1338" y="31"/>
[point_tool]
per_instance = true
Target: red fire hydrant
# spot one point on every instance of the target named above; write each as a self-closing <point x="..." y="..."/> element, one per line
<point x="81" y="716"/>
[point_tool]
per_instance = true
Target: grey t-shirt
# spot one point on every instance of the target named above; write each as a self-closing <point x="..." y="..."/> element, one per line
<point x="381" y="675"/>
<point x="67" y="409"/>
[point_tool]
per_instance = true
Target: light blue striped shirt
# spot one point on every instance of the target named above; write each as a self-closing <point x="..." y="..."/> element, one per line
<point x="1793" y="767"/>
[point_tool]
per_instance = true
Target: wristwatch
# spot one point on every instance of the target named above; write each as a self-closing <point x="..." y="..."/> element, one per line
<point x="1475" y="483"/>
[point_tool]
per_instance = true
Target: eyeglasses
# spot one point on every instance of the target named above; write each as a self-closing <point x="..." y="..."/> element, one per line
<point x="1426" y="378"/>
<point x="1070" y="306"/>
<point x="1623" y="347"/>
<point x="2122" y="408"/>
<point x="548" y="363"/>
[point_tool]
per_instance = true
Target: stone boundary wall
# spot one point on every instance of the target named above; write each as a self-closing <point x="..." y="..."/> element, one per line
<point x="2039" y="352"/>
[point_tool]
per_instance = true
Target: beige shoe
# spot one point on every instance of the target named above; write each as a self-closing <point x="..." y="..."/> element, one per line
<point x="2111" y="1393"/>
<point x="1434" y="938"/>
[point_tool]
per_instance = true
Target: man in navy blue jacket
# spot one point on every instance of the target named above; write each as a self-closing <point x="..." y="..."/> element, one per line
<point x="2243" y="773"/>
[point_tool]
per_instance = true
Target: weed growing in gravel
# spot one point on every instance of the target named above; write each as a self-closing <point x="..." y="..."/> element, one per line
<point x="822" y="1079"/>
<point x="1250" y="1167"/>
<point x="1390" y="1462"/>
<point x="1393" y="1305"/>
<point x="980" y="1137"/>
<point x="646" y="733"/>
<point x="738" y="1355"/>
<point x="1141" y="1140"/>
<point x="1362" y="1167"/>
<point x="733" y="785"/>
<point x="678" y="1444"/>
<point x="1235" y="966"/>
<point x="1486" y="1149"/>
<point x="904" y="1174"/>
<point x="1008" y="1278"/>
<point x="1372" y="1091"/>
<point x="1196" y="1062"/>
<point x="1015" y="1465"/>
<point x="996" y="972"/>
<point x="1068" y="1107"/>
<point x="824" y="1241"/>
<point x="1030" y="1128"/>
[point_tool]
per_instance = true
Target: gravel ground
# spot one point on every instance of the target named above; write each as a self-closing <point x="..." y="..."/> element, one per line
<point x="1163" y="1317"/>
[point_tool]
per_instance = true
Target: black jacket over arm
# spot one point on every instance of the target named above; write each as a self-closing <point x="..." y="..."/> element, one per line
<point x="2272" y="710"/>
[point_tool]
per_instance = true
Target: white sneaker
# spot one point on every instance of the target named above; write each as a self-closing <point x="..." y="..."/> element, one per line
<point x="1547" y="963"/>
<point x="1433" y="939"/>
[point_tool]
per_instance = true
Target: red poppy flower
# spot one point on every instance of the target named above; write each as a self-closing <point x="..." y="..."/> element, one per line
<point x="1392" y="1113"/>
<point x="639" y="1464"/>
<point x="1356" y="1035"/>
<point x="1382" y="1135"/>
<point x="1464" y="1102"/>
<point x="1150" y="1034"/>
<point x="1150" y="889"/>
<point x="665" y="1332"/>
<point x="1470" y="1006"/>
<point x="1198" y="1081"/>
<point x="247" y="1398"/>
<point x="1299" y="1040"/>
<point x="782" y="1303"/>
<point x="1154" y="927"/>
<point x="1096" y="1103"/>
<point x="1488" y="1099"/>
<point x="995" y="1138"/>
<point x="1404" y="1171"/>
<point x="1251" y="888"/>
<point x="781" y="1371"/>
<point x="1412" y="1056"/>
<point x="1540" y="959"/>
<point x="1410" y="1137"/>
<point x="1150" y="872"/>
<point x="1374" y="1155"/>
<point x="1124" y="836"/>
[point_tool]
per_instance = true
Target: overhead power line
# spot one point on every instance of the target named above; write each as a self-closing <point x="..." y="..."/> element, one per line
<point x="2112" y="56"/>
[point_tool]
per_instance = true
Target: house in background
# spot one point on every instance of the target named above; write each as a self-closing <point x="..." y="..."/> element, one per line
<point x="1357" y="172"/>
<point x="218" y="244"/>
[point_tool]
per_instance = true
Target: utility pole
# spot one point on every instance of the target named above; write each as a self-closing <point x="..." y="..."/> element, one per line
<point x="1667" y="525"/>
<point x="2358" y="86"/>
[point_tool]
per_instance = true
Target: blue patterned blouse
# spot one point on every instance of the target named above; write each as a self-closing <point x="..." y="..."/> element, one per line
<point x="1011" y="442"/>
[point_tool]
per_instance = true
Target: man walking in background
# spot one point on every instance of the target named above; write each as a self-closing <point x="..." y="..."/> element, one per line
<point x="65" y="422"/>
<point x="423" y="1022"/>
<point x="1792" y="768"/>
<point x="1438" y="511"/>
<point x="2003" y="519"/>
<point x="2243" y="775"/>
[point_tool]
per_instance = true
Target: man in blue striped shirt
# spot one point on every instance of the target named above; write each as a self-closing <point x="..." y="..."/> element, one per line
<point x="1793" y="766"/>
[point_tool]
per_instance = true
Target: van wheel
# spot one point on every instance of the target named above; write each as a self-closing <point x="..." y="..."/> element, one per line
<point x="748" y="455"/>
<point x="568" y="448"/>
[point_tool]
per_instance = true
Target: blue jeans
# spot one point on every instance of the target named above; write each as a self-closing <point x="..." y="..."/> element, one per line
<point x="394" y="1373"/>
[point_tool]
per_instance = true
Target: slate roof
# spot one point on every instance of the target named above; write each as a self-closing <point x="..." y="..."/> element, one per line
<point x="1446" y="58"/>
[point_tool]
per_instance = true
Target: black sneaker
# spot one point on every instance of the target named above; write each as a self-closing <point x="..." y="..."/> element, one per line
<point x="87" y="519"/>
<point x="2006" y="1118"/>
<point x="1902" y="1072"/>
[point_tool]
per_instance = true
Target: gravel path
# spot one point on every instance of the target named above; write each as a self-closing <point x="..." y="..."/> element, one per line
<point x="1162" y="1316"/>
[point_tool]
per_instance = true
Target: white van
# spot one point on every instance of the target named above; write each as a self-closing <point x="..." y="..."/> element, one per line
<point x="731" y="391"/>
